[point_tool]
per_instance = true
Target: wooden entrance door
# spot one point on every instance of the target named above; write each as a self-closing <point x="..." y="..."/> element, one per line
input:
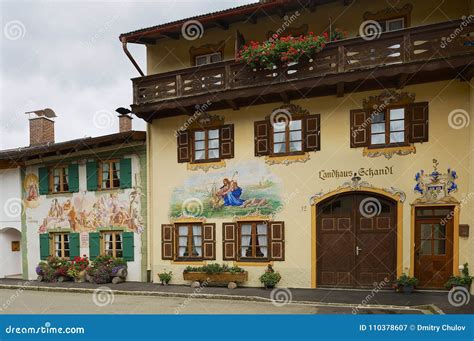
<point x="356" y="246"/>
<point x="433" y="246"/>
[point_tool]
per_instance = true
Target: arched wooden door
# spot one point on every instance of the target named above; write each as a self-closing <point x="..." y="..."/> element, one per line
<point x="356" y="240"/>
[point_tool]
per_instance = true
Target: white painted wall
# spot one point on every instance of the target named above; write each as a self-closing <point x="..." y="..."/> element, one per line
<point x="10" y="262"/>
<point x="10" y="198"/>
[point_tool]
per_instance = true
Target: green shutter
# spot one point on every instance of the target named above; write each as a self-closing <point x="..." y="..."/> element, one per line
<point x="91" y="170"/>
<point x="43" y="176"/>
<point x="125" y="173"/>
<point x="44" y="246"/>
<point x="128" y="246"/>
<point x="74" y="248"/>
<point x="73" y="178"/>
<point x="94" y="245"/>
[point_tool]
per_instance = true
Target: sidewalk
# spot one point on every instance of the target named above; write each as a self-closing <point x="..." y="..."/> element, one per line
<point x="326" y="296"/>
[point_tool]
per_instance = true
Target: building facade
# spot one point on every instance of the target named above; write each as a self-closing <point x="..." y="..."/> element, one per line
<point x="80" y="197"/>
<point x="343" y="170"/>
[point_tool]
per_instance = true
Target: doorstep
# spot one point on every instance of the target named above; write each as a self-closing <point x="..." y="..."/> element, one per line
<point x="428" y="302"/>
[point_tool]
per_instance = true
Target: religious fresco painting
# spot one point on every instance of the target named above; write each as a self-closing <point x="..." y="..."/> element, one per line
<point x="31" y="188"/>
<point x="244" y="190"/>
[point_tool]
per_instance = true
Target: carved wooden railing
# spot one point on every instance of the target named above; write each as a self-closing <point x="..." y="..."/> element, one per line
<point x="422" y="43"/>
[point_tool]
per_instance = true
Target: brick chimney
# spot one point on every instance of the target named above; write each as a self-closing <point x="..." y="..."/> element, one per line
<point x="41" y="126"/>
<point x="125" y="123"/>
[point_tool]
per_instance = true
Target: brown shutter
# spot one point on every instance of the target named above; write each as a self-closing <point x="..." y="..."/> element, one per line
<point x="184" y="150"/>
<point x="360" y="128"/>
<point x="167" y="241"/>
<point x="277" y="240"/>
<point x="312" y="133"/>
<point x="209" y="241"/>
<point x="229" y="241"/>
<point x="262" y="138"/>
<point x="418" y="122"/>
<point x="227" y="141"/>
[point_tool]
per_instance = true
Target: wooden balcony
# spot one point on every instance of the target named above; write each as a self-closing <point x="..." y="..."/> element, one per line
<point x="395" y="59"/>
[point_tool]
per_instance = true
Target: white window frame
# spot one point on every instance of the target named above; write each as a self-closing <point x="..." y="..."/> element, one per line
<point x="208" y="58"/>
<point x="402" y="19"/>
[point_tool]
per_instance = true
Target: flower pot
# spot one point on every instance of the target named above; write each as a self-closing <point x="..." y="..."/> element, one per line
<point x="269" y="286"/>
<point x="408" y="289"/>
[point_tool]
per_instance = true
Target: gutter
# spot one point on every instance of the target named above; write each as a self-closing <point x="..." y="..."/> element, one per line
<point x="129" y="55"/>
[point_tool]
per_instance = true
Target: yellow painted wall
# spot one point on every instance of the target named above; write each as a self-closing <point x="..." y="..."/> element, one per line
<point x="453" y="148"/>
<point x="171" y="54"/>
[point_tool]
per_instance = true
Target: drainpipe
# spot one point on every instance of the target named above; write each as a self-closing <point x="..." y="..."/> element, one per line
<point x="129" y="55"/>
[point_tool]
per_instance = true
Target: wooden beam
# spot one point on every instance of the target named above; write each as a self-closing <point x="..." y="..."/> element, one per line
<point x="183" y="110"/>
<point x="312" y="5"/>
<point x="340" y="89"/>
<point x="232" y="104"/>
<point x="171" y="35"/>
<point x="284" y="97"/>
<point x="222" y="24"/>
<point x="280" y="11"/>
<point x="402" y="79"/>
<point x="253" y="19"/>
<point x="467" y="74"/>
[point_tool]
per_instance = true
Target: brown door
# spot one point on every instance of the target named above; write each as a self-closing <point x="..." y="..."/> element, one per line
<point x="433" y="246"/>
<point x="356" y="240"/>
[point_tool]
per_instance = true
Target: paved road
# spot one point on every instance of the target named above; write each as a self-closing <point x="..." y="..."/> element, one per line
<point x="41" y="302"/>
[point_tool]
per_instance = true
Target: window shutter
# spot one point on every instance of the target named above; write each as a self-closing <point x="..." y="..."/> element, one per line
<point x="91" y="170"/>
<point x="184" y="150"/>
<point x="360" y="128"/>
<point x="94" y="245"/>
<point x="312" y="133"/>
<point x="167" y="241"/>
<point x="125" y="173"/>
<point x="229" y="242"/>
<point x="44" y="246"/>
<point x="74" y="246"/>
<point x="418" y="122"/>
<point x="128" y="246"/>
<point x="227" y="141"/>
<point x="73" y="178"/>
<point x="209" y="241"/>
<point x="43" y="176"/>
<point x="277" y="240"/>
<point x="262" y="138"/>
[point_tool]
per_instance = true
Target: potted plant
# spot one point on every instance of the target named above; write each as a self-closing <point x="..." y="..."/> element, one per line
<point x="216" y="273"/>
<point x="77" y="269"/>
<point x="465" y="280"/>
<point x="406" y="283"/>
<point x="165" y="277"/>
<point x="270" y="278"/>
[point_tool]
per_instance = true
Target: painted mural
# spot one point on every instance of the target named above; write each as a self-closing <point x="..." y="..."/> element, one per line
<point x="243" y="190"/>
<point x="84" y="211"/>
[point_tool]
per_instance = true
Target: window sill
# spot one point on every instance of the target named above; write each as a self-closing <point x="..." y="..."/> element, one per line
<point x="59" y="194"/>
<point x="188" y="262"/>
<point x="205" y="166"/>
<point x="389" y="152"/>
<point x="286" y="159"/>
<point x="253" y="263"/>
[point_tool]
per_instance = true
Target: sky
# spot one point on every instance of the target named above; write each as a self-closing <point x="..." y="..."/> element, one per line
<point x="66" y="55"/>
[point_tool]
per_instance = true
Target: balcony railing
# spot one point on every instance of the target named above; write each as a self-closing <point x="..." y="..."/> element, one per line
<point x="423" y="43"/>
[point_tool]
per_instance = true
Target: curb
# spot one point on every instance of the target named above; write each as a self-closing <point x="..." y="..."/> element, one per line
<point x="425" y="309"/>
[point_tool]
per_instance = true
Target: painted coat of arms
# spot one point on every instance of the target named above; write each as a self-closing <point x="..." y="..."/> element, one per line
<point x="436" y="186"/>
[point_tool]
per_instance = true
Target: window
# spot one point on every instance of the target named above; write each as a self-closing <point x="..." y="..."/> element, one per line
<point x="388" y="127"/>
<point x="208" y="58"/>
<point x="206" y="145"/>
<point x="61" y="245"/>
<point x="254" y="240"/>
<point x="112" y="244"/>
<point x="190" y="241"/>
<point x="287" y="137"/>
<point x="59" y="179"/>
<point x="209" y="144"/>
<point x="393" y="24"/>
<point x="109" y="174"/>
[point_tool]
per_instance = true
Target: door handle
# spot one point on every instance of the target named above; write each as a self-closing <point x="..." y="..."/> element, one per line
<point x="358" y="249"/>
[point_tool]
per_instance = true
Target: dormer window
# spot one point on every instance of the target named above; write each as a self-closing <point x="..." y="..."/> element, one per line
<point x="208" y="58"/>
<point x="393" y="24"/>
